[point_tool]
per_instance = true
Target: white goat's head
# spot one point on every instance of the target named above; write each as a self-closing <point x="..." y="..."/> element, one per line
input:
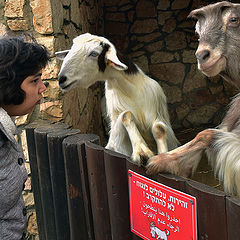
<point x="86" y="61"/>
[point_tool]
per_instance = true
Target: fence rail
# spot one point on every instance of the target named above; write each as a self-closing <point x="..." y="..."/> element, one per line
<point x="81" y="190"/>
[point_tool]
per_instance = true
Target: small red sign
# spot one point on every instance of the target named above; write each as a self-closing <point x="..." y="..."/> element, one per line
<point x="160" y="212"/>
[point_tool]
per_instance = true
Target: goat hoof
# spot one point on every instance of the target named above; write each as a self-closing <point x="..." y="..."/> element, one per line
<point x="143" y="160"/>
<point x="141" y="157"/>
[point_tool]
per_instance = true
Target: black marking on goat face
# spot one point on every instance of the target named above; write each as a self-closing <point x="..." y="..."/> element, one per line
<point x="101" y="59"/>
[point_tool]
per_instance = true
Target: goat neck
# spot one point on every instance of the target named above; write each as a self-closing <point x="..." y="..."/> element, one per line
<point x="126" y="84"/>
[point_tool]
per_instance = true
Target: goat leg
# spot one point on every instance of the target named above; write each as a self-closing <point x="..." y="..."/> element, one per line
<point x="118" y="139"/>
<point x="183" y="160"/>
<point x="141" y="153"/>
<point x="159" y="131"/>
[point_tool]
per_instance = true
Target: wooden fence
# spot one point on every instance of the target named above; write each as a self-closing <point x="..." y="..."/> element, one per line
<point x="81" y="190"/>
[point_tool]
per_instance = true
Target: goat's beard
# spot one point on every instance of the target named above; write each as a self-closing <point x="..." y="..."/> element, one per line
<point x="232" y="71"/>
<point x="226" y="76"/>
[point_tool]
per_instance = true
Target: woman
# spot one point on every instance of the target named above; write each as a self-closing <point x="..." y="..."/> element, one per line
<point x="21" y="89"/>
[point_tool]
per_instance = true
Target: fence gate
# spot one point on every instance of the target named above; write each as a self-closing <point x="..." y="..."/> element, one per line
<point x="81" y="190"/>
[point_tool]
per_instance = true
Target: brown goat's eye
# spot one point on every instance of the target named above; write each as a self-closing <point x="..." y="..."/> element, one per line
<point x="234" y="21"/>
<point x="197" y="36"/>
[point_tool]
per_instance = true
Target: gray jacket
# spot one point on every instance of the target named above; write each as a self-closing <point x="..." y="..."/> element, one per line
<point x="12" y="178"/>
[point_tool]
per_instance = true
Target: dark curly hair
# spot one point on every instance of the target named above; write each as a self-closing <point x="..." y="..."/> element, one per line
<point x="19" y="59"/>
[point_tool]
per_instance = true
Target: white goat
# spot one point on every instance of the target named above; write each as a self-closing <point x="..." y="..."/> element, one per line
<point x="136" y="104"/>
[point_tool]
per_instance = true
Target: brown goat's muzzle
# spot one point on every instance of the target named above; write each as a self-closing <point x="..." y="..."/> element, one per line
<point x="210" y="61"/>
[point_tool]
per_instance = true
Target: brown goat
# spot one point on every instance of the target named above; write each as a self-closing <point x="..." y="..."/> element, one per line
<point x="218" y="28"/>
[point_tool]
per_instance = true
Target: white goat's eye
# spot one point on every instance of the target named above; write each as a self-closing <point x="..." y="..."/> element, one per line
<point x="93" y="54"/>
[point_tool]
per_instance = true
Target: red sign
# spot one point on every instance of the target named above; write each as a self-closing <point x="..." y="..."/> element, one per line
<point x="160" y="212"/>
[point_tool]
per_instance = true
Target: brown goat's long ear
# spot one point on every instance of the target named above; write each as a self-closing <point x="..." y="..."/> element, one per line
<point x="197" y="13"/>
<point x="193" y="14"/>
<point x="61" y="54"/>
<point x="237" y="5"/>
<point x="200" y="11"/>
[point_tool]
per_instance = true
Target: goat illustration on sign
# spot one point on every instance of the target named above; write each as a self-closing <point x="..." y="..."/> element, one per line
<point x="157" y="233"/>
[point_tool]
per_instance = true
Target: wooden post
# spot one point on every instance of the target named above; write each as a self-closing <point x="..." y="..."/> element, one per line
<point x="98" y="191"/>
<point x="77" y="192"/>
<point x="58" y="180"/>
<point x="40" y="134"/>
<point x="211" y="211"/>
<point x="233" y="217"/>
<point x="35" y="175"/>
<point x="117" y="188"/>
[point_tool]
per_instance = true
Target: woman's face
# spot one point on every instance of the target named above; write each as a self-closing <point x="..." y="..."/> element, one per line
<point x="33" y="88"/>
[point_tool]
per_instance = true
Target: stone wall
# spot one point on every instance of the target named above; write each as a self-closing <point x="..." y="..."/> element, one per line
<point x="156" y="34"/>
<point x="161" y="40"/>
<point x="54" y="24"/>
<point x="81" y="108"/>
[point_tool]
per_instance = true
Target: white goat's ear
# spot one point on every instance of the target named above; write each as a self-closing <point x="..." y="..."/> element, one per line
<point x="61" y="54"/>
<point x="113" y="61"/>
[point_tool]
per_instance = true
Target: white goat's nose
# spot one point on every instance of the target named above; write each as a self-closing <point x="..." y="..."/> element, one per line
<point x="62" y="79"/>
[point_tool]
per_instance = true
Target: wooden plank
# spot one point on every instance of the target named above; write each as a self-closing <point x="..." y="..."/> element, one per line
<point x="233" y="217"/>
<point x="40" y="135"/>
<point x="134" y="167"/>
<point x="169" y="180"/>
<point x="85" y="183"/>
<point x="58" y="180"/>
<point x="117" y="189"/>
<point x="172" y="181"/>
<point x="76" y="196"/>
<point x="140" y="170"/>
<point x="98" y="190"/>
<point x="211" y="211"/>
<point x="35" y="175"/>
